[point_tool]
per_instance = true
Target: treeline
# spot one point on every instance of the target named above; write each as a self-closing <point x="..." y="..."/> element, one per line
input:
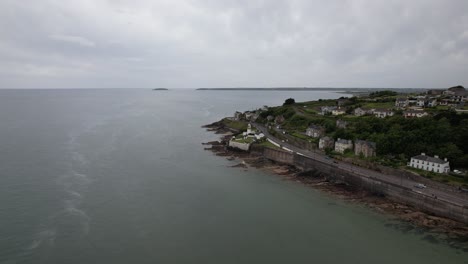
<point x="445" y="134"/>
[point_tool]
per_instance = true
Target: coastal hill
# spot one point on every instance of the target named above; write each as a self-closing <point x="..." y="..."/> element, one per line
<point x="384" y="127"/>
<point x="352" y="90"/>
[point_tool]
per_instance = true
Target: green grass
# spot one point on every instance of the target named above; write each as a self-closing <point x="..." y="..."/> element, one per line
<point x="440" y="177"/>
<point x="378" y="105"/>
<point x="238" y="125"/>
<point x="300" y="135"/>
<point x="242" y="140"/>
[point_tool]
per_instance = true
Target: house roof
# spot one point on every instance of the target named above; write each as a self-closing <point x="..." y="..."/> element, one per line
<point x="314" y="126"/>
<point x="415" y="112"/>
<point x="328" y="107"/>
<point x="401" y="99"/>
<point x="362" y="109"/>
<point x="344" y="141"/>
<point x="365" y="142"/>
<point x="382" y="110"/>
<point x="461" y="93"/>
<point x="326" y="138"/>
<point x="430" y="159"/>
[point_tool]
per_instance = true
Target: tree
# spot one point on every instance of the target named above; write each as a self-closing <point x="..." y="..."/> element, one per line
<point x="289" y="101"/>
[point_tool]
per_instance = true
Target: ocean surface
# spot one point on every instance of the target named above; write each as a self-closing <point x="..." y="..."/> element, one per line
<point x="120" y="176"/>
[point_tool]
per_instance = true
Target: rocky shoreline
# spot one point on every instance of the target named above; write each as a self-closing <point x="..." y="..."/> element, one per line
<point x="454" y="232"/>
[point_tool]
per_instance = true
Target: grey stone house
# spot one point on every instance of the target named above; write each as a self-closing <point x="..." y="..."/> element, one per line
<point x="367" y="148"/>
<point x="315" y="131"/>
<point x="341" y="123"/>
<point x="326" y="143"/>
<point x="343" y="144"/>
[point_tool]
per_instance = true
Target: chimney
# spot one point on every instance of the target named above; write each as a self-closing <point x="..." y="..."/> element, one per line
<point x="445" y="159"/>
<point x="422" y="153"/>
<point x="436" y="156"/>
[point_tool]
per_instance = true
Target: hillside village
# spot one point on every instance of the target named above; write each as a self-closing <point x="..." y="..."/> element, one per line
<point x="382" y="127"/>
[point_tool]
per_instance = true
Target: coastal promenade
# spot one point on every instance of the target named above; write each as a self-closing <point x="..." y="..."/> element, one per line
<point x="453" y="197"/>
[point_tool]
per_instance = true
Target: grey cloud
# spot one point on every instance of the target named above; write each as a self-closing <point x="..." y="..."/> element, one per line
<point x="74" y="40"/>
<point x="208" y="43"/>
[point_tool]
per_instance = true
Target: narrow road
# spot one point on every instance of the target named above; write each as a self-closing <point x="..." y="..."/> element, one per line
<point x="456" y="198"/>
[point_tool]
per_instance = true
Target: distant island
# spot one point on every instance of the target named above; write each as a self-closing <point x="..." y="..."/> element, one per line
<point x="160" y="89"/>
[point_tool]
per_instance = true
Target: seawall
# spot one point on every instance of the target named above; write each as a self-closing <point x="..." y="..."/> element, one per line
<point x="392" y="191"/>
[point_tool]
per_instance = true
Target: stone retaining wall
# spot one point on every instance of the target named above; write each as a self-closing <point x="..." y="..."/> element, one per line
<point x="392" y="191"/>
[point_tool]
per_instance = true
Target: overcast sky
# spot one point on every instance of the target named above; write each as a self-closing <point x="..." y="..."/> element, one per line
<point x="228" y="43"/>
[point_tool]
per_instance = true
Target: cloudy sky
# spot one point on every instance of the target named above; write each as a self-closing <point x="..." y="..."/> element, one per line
<point x="229" y="43"/>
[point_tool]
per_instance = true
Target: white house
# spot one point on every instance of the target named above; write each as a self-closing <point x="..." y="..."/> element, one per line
<point x="432" y="102"/>
<point x="414" y="113"/>
<point x="401" y="102"/>
<point x="343" y="144"/>
<point x="326" y="109"/>
<point x="360" y="111"/>
<point x="382" y="113"/>
<point x="428" y="163"/>
<point x="421" y="102"/>
<point x="338" y="111"/>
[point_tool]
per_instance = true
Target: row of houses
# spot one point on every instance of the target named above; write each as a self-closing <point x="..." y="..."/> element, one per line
<point x="382" y="113"/>
<point x="249" y="115"/>
<point x="317" y="131"/>
<point x="454" y="96"/>
<point x="361" y="147"/>
<point x="377" y="112"/>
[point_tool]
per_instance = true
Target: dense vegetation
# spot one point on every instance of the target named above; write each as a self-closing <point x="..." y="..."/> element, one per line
<point x="289" y="101"/>
<point x="445" y="134"/>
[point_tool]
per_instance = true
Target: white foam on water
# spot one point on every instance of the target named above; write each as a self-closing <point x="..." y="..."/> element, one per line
<point x="45" y="236"/>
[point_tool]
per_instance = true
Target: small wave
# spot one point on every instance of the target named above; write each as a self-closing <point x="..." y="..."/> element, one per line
<point x="74" y="194"/>
<point x="73" y="179"/>
<point x="79" y="158"/>
<point x="44" y="236"/>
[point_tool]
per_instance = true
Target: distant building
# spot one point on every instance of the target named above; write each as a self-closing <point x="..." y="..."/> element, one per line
<point x="434" y="92"/>
<point x="324" y="110"/>
<point x="364" y="147"/>
<point x="341" y="123"/>
<point x="360" y="111"/>
<point x="431" y="102"/>
<point x="414" y="113"/>
<point x="326" y="143"/>
<point x="342" y="102"/>
<point x="401" y="102"/>
<point x="279" y="119"/>
<point x="237" y="116"/>
<point x="382" y="113"/>
<point x="421" y="102"/>
<point x="249" y="115"/>
<point x="315" y="131"/>
<point x="459" y="96"/>
<point x="338" y="111"/>
<point x="343" y="144"/>
<point x="427" y="163"/>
